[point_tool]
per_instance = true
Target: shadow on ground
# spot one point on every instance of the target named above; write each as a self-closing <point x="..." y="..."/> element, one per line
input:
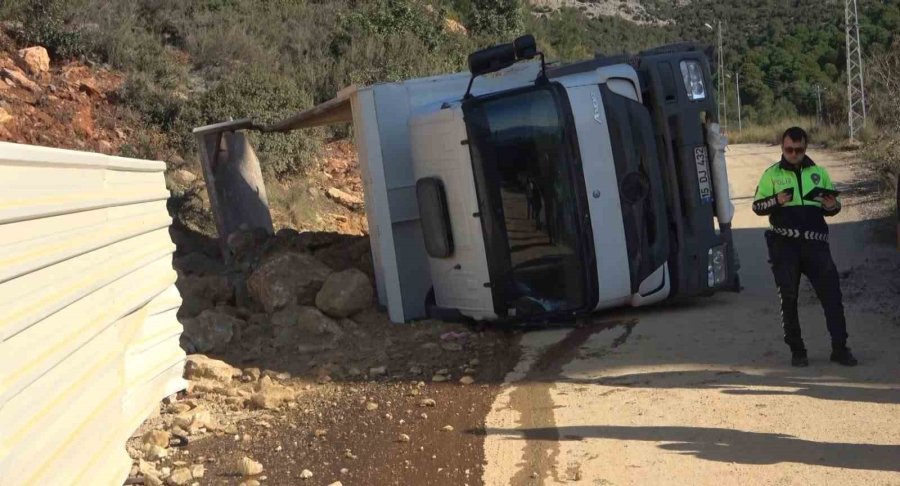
<point x="731" y="446"/>
<point x="739" y="383"/>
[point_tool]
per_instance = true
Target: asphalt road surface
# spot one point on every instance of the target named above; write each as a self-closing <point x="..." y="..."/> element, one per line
<point x="703" y="393"/>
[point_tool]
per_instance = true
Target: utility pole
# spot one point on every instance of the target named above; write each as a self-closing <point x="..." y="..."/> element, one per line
<point x="856" y="92"/>
<point x="737" y="90"/>
<point x="818" y="104"/>
<point x="723" y="95"/>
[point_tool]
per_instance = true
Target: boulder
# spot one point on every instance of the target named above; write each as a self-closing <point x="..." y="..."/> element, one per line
<point x="180" y="477"/>
<point x="345" y="293"/>
<point x="194" y="420"/>
<point x="349" y="201"/>
<point x="156" y="437"/>
<point x="210" y="330"/>
<point x="19" y="79"/>
<point x="35" y="59"/>
<point x="285" y="279"/>
<point x="196" y="263"/>
<point x="305" y="329"/>
<point x="211" y="288"/>
<point x="199" y="366"/>
<point x="270" y="395"/>
<point x="247" y="467"/>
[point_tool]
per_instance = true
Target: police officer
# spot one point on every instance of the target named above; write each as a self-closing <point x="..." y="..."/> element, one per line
<point x="798" y="243"/>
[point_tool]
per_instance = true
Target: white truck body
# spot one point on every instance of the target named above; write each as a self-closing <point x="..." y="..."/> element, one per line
<point x="415" y="129"/>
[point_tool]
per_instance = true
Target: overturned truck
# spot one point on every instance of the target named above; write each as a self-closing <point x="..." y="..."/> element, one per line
<point x="521" y="191"/>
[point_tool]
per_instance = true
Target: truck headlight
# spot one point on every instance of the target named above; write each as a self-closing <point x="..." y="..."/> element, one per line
<point x="693" y="80"/>
<point x="717" y="270"/>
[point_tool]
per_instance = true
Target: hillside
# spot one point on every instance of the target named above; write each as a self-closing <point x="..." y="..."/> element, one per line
<point x="176" y="65"/>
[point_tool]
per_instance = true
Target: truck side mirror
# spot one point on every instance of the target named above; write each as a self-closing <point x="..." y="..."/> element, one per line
<point x="526" y="47"/>
<point x="434" y="215"/>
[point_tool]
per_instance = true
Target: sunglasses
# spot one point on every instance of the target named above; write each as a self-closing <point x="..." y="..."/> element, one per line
<point x="795" y="150"/>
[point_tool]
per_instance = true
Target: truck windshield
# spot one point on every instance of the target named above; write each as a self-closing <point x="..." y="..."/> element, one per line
<point x="531" y="192"/>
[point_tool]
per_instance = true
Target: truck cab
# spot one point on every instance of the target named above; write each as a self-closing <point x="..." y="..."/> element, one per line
<point x="526" y="192"/>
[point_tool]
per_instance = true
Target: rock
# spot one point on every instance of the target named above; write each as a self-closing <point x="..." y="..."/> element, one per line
<point x="211" y="330"/>
<point x="415" y="370"/>
<point x="447" y="428"/>
<point x="439" y="378"/>
<point x="270" y="395"/>
<point x="344" y="470"/>
<point x="19" y="79"/>
<point x="403" y="438"/>
<point x="467" y="380"/>
<point x="196" y="263"/>
<point x="371" y="406"/>
<point x="248" y="467"/>
<point x="198" y="471"/>
<point x="147" y="468"/>
<point x="152" y="480"/>
<point x="154" y="452"/>
<point x="474" y="362"/>
<point x="306" y="474"/>
<point x="194" y="420"/>
<point x="36" y="59"/>
<point x="180" y="477"/>
<point x="347" y="200"/>
<point x="4" y="116"/>
<point x="249" y="482"/>
<point x="200" y="366"/>
<point x="211" y="288"/>
<point x="427" y="402"/>
<point x="304" y="329"/>
<point x="183" y="177"/>
<point x="157" y="437"/>
<point x="345" y="293"/>
<point x="252" y="374"/>
<point x="455" y="27"/>
<point x="89" y="87"/>
<point x="287" y="278"/>
<point x="242" y="244"/>
<point x="451" y="346"/>
<point x="321" y="433"/>
<point x="378" y="371"/>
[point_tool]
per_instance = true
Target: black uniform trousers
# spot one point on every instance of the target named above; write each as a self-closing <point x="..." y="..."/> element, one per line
<point x="791" y="257"/>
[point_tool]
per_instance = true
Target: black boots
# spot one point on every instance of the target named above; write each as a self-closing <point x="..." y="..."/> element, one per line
<point x="839" y="354"/>
<point x="798" y="358"/>
<point x="842" y="355"/>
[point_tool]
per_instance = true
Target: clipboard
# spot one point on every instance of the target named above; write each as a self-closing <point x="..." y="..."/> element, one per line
<point x="819" y="193"/>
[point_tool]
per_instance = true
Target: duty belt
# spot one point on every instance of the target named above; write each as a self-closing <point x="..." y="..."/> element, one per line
<point x="794" y="233"/>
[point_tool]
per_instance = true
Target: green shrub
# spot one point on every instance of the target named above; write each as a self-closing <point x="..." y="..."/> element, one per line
<point x="258" y="93"/>
<point x="49" y="23"/>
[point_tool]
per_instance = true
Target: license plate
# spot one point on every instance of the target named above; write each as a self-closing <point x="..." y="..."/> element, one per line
<point x="704" y="176"/>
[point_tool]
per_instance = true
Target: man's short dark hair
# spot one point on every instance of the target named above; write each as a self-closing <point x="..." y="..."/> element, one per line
<point x="796" y="134"/>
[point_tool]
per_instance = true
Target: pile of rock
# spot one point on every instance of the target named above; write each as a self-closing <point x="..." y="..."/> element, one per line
<point x="215" y="393"/>
<point x="292" y="292"/>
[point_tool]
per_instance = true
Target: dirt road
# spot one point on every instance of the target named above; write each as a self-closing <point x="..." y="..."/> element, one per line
<point x="703" y="393"/>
